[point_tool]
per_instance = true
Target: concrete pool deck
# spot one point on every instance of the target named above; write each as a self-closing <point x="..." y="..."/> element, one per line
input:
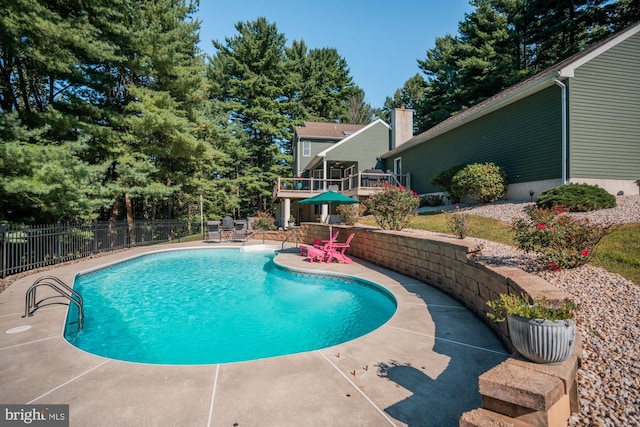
<point x="418" y="369"/>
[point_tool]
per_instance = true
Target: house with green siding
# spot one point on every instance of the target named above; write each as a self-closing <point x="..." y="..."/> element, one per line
<point x="578" y="121"/>
<point x="338" y="156"/>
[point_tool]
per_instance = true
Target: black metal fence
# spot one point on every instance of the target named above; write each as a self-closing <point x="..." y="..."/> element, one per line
<point x="25" y="248"/>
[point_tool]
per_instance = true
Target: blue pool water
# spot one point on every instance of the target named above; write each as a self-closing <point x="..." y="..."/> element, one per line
<point x="219" y="305"/>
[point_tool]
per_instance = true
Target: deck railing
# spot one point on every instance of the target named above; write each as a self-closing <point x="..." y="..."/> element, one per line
<point x="361" y="180"/>
<point x="24" y="248"/>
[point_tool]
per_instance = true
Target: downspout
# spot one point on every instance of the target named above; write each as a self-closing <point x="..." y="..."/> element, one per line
<point x="564" y="129"/>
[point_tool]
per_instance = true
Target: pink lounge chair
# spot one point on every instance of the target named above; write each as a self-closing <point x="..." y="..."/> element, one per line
<point x="321" y="244"/>
<point x="336" y="251"/>
<point x="312" y="254"/>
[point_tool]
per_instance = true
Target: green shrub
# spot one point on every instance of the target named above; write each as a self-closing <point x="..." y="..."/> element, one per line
<point x="577" y="198"/>
<point x="394" y="207"/>
<point x="264" y="221"/>
<point x="444" y="178"/>
<point x="458" y="223"/>
<point x="539" y="308"/>
<point x="76" y="235"/>
<point x="485" y="182"/>
<point x="562" y="241"/>
<point x="349" y="213"/>
<point x="431" y="200"/>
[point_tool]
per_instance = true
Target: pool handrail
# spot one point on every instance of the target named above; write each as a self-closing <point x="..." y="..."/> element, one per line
<point x="30" y="300"/>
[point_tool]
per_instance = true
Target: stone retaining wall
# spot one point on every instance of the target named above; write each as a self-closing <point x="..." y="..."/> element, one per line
<point x="517" y="390"/>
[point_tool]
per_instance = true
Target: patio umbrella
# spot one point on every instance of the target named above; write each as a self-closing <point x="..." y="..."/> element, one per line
<point x="330" y="198"/>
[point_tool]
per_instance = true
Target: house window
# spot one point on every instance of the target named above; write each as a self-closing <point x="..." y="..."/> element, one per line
<point x="306" y="148"/>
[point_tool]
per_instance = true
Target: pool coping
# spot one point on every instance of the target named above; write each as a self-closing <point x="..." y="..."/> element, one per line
<point x="420" y="368"/>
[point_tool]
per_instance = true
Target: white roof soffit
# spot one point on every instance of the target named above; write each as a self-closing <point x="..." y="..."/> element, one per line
<point x="314" y="162"/>
<point x="353" y="135"/>
<point x="321" y="156"/>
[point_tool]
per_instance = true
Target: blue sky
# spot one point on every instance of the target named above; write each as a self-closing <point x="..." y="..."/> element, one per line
<point x="381" y="41"/>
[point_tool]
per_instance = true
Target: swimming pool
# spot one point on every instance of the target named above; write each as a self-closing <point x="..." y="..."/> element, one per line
<point x="204" y="306"/>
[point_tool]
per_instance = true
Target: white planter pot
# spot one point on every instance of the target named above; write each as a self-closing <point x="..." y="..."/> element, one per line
<point x="542" y="341"/>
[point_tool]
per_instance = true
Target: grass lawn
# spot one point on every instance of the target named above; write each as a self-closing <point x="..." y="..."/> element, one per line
<point x="480" y="227"/>
<point x="618" y="252"/>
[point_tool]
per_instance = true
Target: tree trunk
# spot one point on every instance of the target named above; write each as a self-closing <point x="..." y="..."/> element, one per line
<point x="129" y="207"/>
<point x="154" y="208"/>
<point x="113" y="232"/>
<point x="23" y="87"/>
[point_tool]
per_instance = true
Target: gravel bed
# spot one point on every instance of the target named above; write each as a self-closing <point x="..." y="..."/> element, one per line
<point x="609" y="319"/>
<point x="626" y="211"/>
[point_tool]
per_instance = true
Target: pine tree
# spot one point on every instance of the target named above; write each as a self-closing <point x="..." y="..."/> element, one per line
<point x="44" y="47"/>
<point x="359" y="112"/>
<point x="322" y="82"/>
<point x="442" y="93"/>
<point x="169" y="102"/>
<point x="113" y="88"/>
<point x="148" y="99"/>
<point x="411" y="95"/>
<point x="46" y="181"/>
<point x="248" y="75"/>
<point x="562" y="28"/>
<point x="486" y="54"/>
<point x="503" y="42"/>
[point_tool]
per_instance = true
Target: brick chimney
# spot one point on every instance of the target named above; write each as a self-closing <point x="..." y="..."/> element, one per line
<point x="401" y="126"/>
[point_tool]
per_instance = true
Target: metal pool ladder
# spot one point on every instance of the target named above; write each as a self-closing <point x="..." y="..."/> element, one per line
<point x="65" y="291"/>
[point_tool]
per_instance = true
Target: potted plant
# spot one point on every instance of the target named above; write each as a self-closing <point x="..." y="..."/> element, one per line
<point x="292" y="221"/>
<point x="542" y="331"/>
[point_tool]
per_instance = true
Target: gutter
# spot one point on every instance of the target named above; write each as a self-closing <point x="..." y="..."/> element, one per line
<point x="564" y="128"/>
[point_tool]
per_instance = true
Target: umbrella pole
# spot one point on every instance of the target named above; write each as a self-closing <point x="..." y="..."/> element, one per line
<point x="325" y="212"/>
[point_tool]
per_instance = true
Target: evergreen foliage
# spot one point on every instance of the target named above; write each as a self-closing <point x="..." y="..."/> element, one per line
<point x="359" y="112"/>
<point x="109" y="110"/>
<point x="267" y="88"/>
<point x="113" y="88"/>
<point x="41" y="183"/>
<point x="485" y="182"/>
<point x="411" y="96"/>
<point x="503" y="42"/>
<point x="576" y="198"/>
<point x="445" y="178"/>
<point x="248" y="77"/>
<point x="322" y="82"/>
